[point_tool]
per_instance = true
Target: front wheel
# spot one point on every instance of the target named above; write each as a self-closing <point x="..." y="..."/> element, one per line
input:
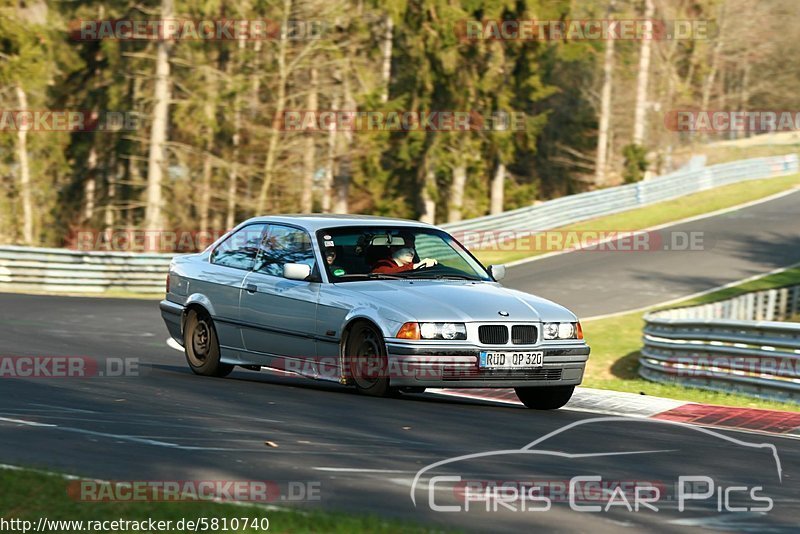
<point x="202" y="347"/>
<point x="366" y="354"/>
<point x="545" y="398"/>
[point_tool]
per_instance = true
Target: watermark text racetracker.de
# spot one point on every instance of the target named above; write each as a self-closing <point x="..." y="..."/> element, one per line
<point x="584" y="30"/>
<point x="197" y="30"/>
<point x="718" y="366"/>
<point x="184" y="524"/>
<point x="137" y="240"/>
<point x="47" y="120"/>
<point x="250" y="491"/>
<point x="717" y="121"/>
<point x="400" y="121"/>
<point x="68" y="367"/>
<point x="586" y="240"/>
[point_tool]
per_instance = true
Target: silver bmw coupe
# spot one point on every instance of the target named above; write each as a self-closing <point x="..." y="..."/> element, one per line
<point x="386" y="305"/>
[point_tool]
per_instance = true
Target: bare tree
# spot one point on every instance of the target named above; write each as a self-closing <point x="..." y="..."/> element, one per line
<point x="427" y="204"/>
<point x="156" y="161"/>
<point x="640" y="112"/>
<point x="457" y="193"/>
<point x="24" y="173"/>
<point x="309" y="155"/>
<point x="386" y="69"/>
<point x="605" y="107"/>
<point x="90" y="186"/>
<point x="280" y="107"/>
<point x="330" y="160"/>
<point x="497" y="189"/>
<point x="345" y="141"/>
<point x="708" y="84"/>
<point x="236" y="138"/>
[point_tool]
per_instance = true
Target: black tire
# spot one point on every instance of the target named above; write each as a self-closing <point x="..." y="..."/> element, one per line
<point x="202" y="347"/>
<point x="545" y="398"/>
<point x="365" y="353"/>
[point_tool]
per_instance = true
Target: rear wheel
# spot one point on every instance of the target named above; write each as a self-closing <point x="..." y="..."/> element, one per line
<point x="202" y="347"/>
<point x="545" y="398"/>
<point x="366" y="354"/>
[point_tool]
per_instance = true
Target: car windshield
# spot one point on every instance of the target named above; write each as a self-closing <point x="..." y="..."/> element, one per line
<point x="365" y="252"/>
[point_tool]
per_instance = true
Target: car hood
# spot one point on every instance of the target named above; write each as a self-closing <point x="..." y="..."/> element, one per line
<point x="456" y="300"/>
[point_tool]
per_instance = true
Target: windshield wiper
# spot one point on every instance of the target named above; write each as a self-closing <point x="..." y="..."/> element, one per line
<point x="373" y="276"/>
<point x="445" y="277"/>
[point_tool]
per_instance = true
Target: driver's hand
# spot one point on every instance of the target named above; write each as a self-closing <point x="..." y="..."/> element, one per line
<point x="426" y="262"/>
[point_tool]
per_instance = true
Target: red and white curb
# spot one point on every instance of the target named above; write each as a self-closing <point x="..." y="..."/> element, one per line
<point x="601" y="401"/>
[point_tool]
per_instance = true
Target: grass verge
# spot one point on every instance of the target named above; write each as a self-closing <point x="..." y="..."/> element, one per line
<point x="653" y="215"/>
<point x="727" y="151"/>
<point x="622" y="335"/>
<point x="30" y="495"/>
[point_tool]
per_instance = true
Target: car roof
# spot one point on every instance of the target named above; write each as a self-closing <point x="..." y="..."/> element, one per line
<point x="314" y="222"/>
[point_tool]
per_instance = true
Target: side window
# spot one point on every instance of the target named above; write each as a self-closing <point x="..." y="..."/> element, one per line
<point x="240" y="249"/>
<point x="282" y="245"/>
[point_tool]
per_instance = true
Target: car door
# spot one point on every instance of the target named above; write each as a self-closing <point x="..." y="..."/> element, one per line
<point x="279" y="315"/>
<point x="222" y="279"/>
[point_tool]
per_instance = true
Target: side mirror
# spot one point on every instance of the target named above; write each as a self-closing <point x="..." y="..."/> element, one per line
<point x="498" y="272"/>
<point x="296" y="271"/>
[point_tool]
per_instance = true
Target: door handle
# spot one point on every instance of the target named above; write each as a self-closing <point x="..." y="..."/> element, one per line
<point x="251" y="288"/>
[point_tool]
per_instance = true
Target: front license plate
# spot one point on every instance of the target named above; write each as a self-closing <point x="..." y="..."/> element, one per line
<point x="510" y="360"/>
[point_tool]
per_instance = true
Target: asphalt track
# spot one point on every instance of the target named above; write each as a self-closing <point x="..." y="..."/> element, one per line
<point x="167" y="424"/>
<point x="734" y="246"/>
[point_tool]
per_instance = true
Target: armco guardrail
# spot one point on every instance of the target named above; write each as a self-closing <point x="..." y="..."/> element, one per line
<point x="736" y="345"/>
<point x="57" y="270"/>
<point x="583" y="206"/>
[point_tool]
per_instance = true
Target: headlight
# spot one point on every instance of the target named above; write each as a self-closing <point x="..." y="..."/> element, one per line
<point x="443" y="331"/>
<point x="432" y="331"/>
<point x="550" y="330"/>
<point x="562" y="331"/>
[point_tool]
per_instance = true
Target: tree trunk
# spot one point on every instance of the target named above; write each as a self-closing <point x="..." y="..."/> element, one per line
<point x="744" y="95"/>
<point x="205" y="191"/>
<point x="605" y="109"/>
<point x="715" y="57"/>
<point x="498" y="189"/>
<point x="208" y="169"/>
<point x="309" y="156"/>
<point x="280" y="107"/>
<point x="24" y="173"/>
<point x="156" y="161"/>
<point x="233" y="176"/>
<point x="342" y="181"/>
<point x="427" y="204"/>
<point x="457" y="193"/>
<point x="111" y="193"/>
<point x="327" y="187"/>
<point x="90" y="186"/>
<point x="387" y="58"/>
<point x="640" y="113"/>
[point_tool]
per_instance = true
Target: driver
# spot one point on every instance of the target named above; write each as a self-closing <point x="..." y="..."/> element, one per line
<point x="402" y="260"/>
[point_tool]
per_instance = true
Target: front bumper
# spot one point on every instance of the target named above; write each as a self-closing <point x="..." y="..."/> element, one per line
<point x="414" y="364"/>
